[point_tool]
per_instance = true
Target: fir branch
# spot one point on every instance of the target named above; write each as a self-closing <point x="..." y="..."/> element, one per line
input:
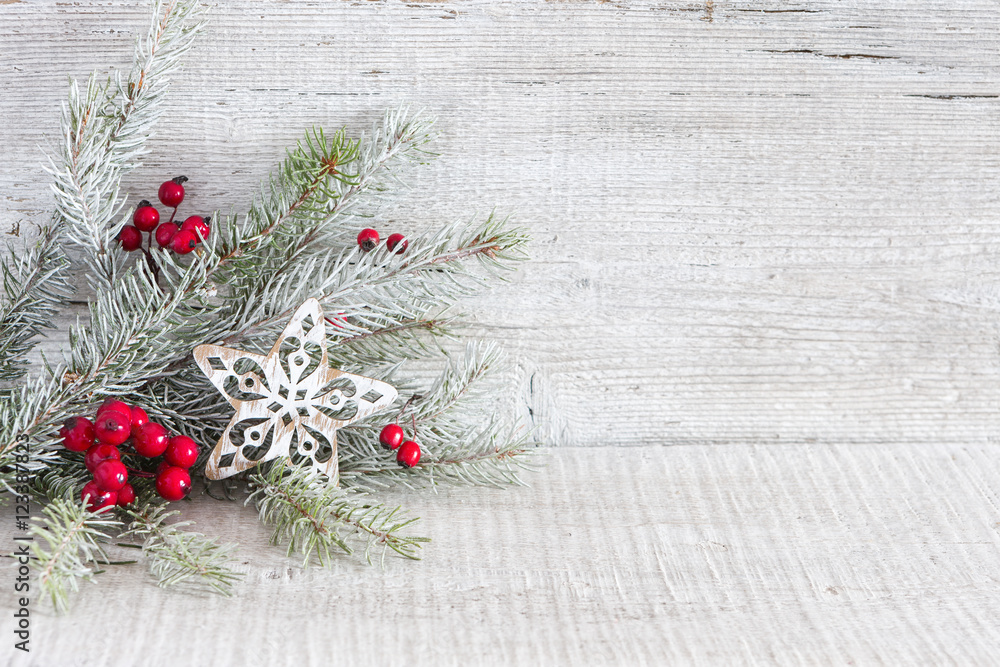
<point x="312" y="516"/>
<point x="380" y="289"/>
<point x="103" y="134"/>
<point x="494" y="456"/>
<point x="35" y="285"/>
<point x="464" y="437"/>
<point x="460" y="383"/>
<point x="129" y="322"/>
<point x="411" y="338"/>
<point x="104" y="131"/>
<point x="320" y="182"/>
<point x="181" y="557"/>
<point x="69" y="538"/>
<point x="367" y="292"/>
<point x="62" y="479"/>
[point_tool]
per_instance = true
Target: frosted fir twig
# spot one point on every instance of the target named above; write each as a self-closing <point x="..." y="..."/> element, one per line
<point x="313" y="517"/>
<point x="323" y="180"/>
<point x="361" y="293"/>
<point x="464" y="438"/>
<point x="114" y="355"/>
<point x="410" y="338"/>
<point x="104" y="130"/>
<point x="179" y="557"/>
<point x="459" y="385"/>
<point x="35" y="286"/>
<point x="63" y="480"/>
<point x="68" y="541"/>
<point x="103" y="135"/>
<point x="380" y="289"/>
<point x="496" y="456"/>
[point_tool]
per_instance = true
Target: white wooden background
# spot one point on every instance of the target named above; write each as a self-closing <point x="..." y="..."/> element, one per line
<point x="766" y="232"/>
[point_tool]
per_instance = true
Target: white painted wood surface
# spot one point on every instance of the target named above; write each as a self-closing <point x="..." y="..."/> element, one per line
<point x="735" y="554"/>
<point x="774" y="222"/>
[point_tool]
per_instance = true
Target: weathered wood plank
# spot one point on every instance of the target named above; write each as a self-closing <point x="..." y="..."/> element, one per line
<point x="781" y="554"/>
<point x="770" y="222"/>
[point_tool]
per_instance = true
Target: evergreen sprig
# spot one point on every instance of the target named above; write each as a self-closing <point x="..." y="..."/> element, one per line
<point x="458" y="445"/>
<point x="296" y="241"/>
<point x="69" y="543"/>
<point x="35" y="286"/>
<point x="313" y="518"/>
<point x="104" y="131"/>
<point x="179" y="557"/>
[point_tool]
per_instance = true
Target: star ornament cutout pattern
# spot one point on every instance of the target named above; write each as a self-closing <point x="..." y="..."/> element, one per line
<point x="288" y="403"/>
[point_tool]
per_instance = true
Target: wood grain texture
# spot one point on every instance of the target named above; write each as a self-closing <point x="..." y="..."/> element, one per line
<point x="770" y="221"/>
<point x="783" y="554"/>
<point x="773" y="222"/>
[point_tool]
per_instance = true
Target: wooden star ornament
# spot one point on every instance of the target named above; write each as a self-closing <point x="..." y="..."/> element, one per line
<point x="288" y="403"/>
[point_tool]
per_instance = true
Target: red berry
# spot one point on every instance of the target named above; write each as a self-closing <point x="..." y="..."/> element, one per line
<point x="198" y="226"/>
<point x="172" y="192"/>
<point x="173" y="483"/>
<point x="150" y="439"/>
<point x="77" y="434"/>
<point x="110" y="475"/>
<point x="181" y="452"/>
<point x="397" y="239"/>
<point x="126" y="495"/>
<point x="165" y="234"/>
<point x="368" y="239"/>
<point x="391" y="436"/>
<point x="184" y="242"/>
<point x="146" y="218"/>
<point x="116" y="405"/>
<point x="137" y="417"/>
<point x="112" y="427"/>
<point x="98" y="454"/>
<point x="408" y="454"/>
<point x="97" y="498"/>
<point x="163" y="465"/>
<point x="130" y="238"/>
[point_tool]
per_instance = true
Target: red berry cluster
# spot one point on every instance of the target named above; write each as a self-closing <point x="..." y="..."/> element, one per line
<point x="118" y="424"/>
<point x="368" y="240"/>
<point x="181" y="240"/>
<point x="392" y="437"/>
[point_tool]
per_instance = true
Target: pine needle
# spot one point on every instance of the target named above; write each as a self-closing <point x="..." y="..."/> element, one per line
<point x="315" y="518"/>
<point x="68" y="541"/>
<point x="178" y="557"/>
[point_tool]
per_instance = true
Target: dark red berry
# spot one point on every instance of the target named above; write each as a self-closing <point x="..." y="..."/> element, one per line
<point x="100" y="453"/>
<point x="165" y="234"/>
<point x="146" y="218"/>
<point x="181" y="452"/>
<point x="397" y="240"/>
<point x="97" y="498"/>
<point x="150" y="439"/>
<point x="137" y="417"/>
<point x="112" y="427"/>
<point x="126" y="495"/>
<point x="77" y="434"/>
<point x="184" y="242"/>
<point x="368" y="239"/>
<point x="163" y="465"/>
<point x="130" y="238"/>
<point x="173" y="483"/>
<point x="116" y="405"/>
<point x="408" y="454"/>
<point x="110" y="475"/>
<point x="172" y="192"/>
<point x="198" y="226"/>
<point x="391" y="436"/>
